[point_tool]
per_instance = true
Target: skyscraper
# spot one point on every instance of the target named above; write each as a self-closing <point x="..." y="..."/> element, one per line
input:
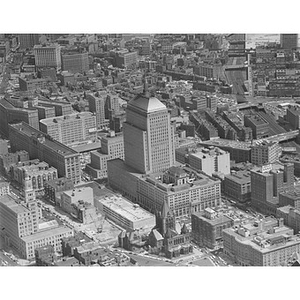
<point x="289" y="41"/>
<point x="148" y="135"/>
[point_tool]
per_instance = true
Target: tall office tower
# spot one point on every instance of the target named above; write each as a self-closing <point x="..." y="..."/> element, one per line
<point x="267" y="182"/>
<point x="264" y="152"/>
<point x="148" y="135"/>
<point x="28" y="40"/>
<point x="97" y="106"/>
<point x="289" y="41"/>
<point x="75" y="61"/>
<point x="47" y="56"/>
<point x="39" y="145"/>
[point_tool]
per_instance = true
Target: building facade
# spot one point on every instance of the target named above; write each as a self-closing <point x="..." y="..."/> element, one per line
<point x="47" y="56"/>
<point x="148" y="135"/>
<point x="38" y="145"/>
<point x="71" y="128"/>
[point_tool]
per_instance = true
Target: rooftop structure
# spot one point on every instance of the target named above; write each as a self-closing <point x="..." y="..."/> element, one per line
<point x="125" y="213"/>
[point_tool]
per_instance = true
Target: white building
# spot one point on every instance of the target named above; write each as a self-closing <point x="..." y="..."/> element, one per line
<point x="126" y="214"/>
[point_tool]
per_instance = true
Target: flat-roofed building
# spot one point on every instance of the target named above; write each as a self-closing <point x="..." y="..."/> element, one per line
<point x="112" y="146"/>
<point x="38" y="145"/>
<point x="60" y="108"/>
<point x="259" y="126"/>
<point x="291" y="217"/>
<point x="52" y="237"/>
<point x="71" y="128"/>
<point x="75" y="61"/>
<point x="4" y="188"/>
<point x="291" y="197"/>
<point x="10" y="114"/>
<point x="21" y="228"/>
<point x="53" y="188"/>
<point x="30" y="83"/>
<point x="251" y="245"/>
<point x="208" y="226"/>
<point x="267" y="182"/>
<point x="265" y="152"/>
<point x="47" y="56"/>
<point x="293" y="116"/>
<point x="185" y="190"/>
<point x="126" y="214"/>
<point x="237" y="186"/>
<point x="11" y="158"/>
<point x="239" y="151"/>
<point x="70" y="197"/>
<point x="210" y="160"/>
<point x="97" y="106"/>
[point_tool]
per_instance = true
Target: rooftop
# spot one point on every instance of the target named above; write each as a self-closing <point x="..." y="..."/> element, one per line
<point x="147" y="104"/>
<point x="47" y="233"/>
<point x="227" y="143"/>
<point x="127" y="209"/>
<point x="49" y="143"/>
<point x="9" y="202"/>
<point x="240" y="176"/>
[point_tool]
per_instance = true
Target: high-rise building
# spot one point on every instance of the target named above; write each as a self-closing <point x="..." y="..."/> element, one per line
<point x="293" y="116"/>
<point x="264" y="152"/>
<point x="267" y="182"/>
<point x="289" y="41"/>
<point x="148" y="135"/>
<point x="75" y="61"/>
<point x="112" y="106"/>
<point x="47" y="56"/>
<point x="38" y="145"/>
<point x="28" y="41"/>
<point x="97" y="106"/>
<point x="70" y="128"/>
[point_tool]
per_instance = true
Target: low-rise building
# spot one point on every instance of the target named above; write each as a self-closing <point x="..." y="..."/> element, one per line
<point x="125" y="213"/>
<point x="53" y="188"/>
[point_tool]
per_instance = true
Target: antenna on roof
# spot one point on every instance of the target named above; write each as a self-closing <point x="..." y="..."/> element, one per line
<point x="146" y="91"/>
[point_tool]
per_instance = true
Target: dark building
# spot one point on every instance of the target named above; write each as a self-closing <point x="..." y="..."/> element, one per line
<point x="28" y="41"/>
<point x="289" y="41"/>
<point x="53" y="188"/>
<point x="260" y="127"/>
<point x="75" y="61"/>
<point x="207" y="228"/>
<point x="267" y="182"/>
<point x="10" y="114"/>
<point x="70" y="243"/>
<point x="9" y="159"/>
<point x="45" y="256"/>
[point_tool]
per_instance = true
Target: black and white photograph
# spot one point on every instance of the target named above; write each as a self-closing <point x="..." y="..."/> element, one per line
<point x="136" y="148"/>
